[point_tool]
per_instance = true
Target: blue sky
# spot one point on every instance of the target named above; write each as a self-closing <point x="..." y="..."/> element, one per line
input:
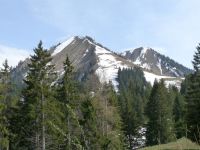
<point x="172" y="27"/>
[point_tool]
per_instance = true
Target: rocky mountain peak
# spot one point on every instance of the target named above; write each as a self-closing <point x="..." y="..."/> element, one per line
<point x="91" y="58"/>
<point x="155" y="62"/>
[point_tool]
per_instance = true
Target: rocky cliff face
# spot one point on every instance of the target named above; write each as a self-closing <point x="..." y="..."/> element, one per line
<point x="91" y="58"/>
<point x="87" y="57"/>
<point x="155" y="62"/>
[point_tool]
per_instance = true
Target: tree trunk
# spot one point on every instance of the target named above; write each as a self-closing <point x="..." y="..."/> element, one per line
<point x="37" y="141"/>
<point x="7" y="148"/>
<point x="69" y="138"/>
<point x="43" y="133"/>
<point x="130" y="141"/>
<point x="43" y="126"/>
<point x="106" y="119"/>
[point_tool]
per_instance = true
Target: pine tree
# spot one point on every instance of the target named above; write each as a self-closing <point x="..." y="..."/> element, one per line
<point x="68" y="96"/>
<point x="179" y="114"/>
<point x="89" y="122"/>
<point x="112" y="122"/>
<point x="5" y="105"/>
<point x="158" y="111"/>
<point x="196" y="60"/>
<point x="39" y="109"/>
<point x="133" y="94"/>
<point x="101" y="120"/>
<point x="177" y="102"/>
<point x="4" y="141"/>
<point x="66" y="85"/>
<point x="5" y="76"/>
<point x="193" y="100"/>
<point x="9" y="99"/>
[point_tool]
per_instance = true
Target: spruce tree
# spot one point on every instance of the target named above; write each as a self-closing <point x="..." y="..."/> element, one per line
<point x="69" y="99"/>
<point x="112" y="122"/>
<point x="178" y="109"/>
<point x="39" y="108"/>
<point x="193" y="100"/>
<point x="158" y="111"/>
<point x="5" y="105"/>
<point x="111" y="135"/>
<point x="133" y="94"/>
<point x="4" y="141"/>
<point x="89" y="122"/>
<point x="101" y="120"/>
<point x="179" y="114"/>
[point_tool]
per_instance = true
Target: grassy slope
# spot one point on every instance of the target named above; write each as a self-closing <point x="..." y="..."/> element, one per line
<point x="180" y="144"/>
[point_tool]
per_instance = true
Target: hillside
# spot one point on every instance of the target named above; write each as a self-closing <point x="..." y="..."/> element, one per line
<point x="89" y="57"/>
<point x="155" y="62"/>
<point x="180" y="144"/>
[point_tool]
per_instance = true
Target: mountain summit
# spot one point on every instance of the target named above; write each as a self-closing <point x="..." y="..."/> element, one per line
<point x="91" y="58"/>
<point x="155" y="62"/>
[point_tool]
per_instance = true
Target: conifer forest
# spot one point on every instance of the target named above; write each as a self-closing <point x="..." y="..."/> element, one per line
<point x="48" y="111"/>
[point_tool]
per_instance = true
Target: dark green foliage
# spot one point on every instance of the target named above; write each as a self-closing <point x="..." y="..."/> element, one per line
<point x="59" y="113"/>
<point x="101" y="120"/>
<point x="55" y="115"/>
<point x="68" y="96"/>
<point x="89" y="123"/>
<point x="193" y="100"/>
<point x="5" y="104"/>
<point x="179" y="114"/>
<point x="8" y="102"/>
<point x="66" y="86"/>
<point x="133" y="94"/>
<point x="185" y="85"/>
<point x="39" y="109"/>
<point x="196" y="60"/>
<point x="178" y="108"/>
<point x="159" y="112"/>
<point x="112" y="122"/>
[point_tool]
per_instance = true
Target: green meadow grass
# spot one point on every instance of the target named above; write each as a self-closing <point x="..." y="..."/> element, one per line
<point x="180" y="144"/>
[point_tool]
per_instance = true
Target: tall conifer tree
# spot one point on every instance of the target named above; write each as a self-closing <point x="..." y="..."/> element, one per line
<point x="5" y="104"/>
<point x="133" y="94"/>
<point x="69" y="99"/>
<point x="39" y="108"/>
<point x="179" y="114"/>
<point x="193" y="100"/>
<point x="158" y="111"/>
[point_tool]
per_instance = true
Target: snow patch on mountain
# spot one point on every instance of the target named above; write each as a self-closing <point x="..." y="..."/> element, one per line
<point x="60" y="47"/>
<point x="85" y="53"/>
<point x="159" y="66"/>
<point x="143" y="52"/>
<point x="100" y="50"/>
<point x="146" y="66"/>
<point x="137" y="62"/>
<point x="108" y="67"/>
<point x="150" y="77"/>
<point x="174" y="70"/>
<point x="155" y="62"/>
<point x="176" y="83"/>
